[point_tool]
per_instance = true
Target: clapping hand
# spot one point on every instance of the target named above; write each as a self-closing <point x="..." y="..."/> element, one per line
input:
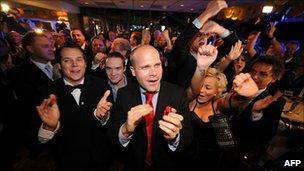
<point x="171" y="124"/>
<point x="103" y="106"/>
<point x="135" y="115"/>
<point x="49" y="112"/>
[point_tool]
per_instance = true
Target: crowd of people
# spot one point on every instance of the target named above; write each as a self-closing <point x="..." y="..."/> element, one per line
<point x="150" y="102"/>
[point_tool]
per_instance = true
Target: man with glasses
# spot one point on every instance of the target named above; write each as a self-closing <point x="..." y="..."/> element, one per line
<point x="257" y="123"/>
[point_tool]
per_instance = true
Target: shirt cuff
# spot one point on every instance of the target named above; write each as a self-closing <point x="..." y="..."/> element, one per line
<point x="255" y="116"/>
<point x="197" y="23"/>
<point x="45" y="135"/>
<point x="124" y="141"/>
<point x="225" y="34"/>
<point x="173" y="145"/>
<point x="102" y="121"/>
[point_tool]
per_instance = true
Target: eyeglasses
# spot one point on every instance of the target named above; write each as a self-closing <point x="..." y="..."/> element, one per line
<point x="260" y="74"/>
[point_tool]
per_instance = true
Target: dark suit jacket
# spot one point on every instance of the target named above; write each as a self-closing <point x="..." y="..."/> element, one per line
<point x="80" y="143"/>
<point x="88" y="53"/>
<point x="162" y="157"/>
<point x="26" y="80"/>
<point x="255" y="135"/>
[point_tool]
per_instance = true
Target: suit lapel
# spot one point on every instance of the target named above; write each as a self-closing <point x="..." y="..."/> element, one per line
<point x="162" y="100"/>
<point x="40" y="76"/>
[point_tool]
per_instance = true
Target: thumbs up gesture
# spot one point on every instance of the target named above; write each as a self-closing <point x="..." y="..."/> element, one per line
<point x="103" y="106"/>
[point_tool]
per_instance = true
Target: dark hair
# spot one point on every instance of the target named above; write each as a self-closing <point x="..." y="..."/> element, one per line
<point x="294" y="42"/>
<point x="278" y="68"/>
<point x="116" y="55"/>
<point x="69" y="45"/>
<point x="137" y="36"/>
<point x="79" y="29"/>
<point x="28" y="38"/>
<point x="96" y="37"/>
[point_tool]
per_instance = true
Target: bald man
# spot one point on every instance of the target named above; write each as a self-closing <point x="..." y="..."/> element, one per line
<point x="150" y="118"/>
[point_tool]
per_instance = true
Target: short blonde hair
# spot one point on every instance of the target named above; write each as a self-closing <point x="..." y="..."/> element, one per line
<point x="220" y="77"/>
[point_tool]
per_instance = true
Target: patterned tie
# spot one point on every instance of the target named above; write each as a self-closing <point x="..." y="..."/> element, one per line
<point x="49" y="71"/>
<point x="149" y="128"/>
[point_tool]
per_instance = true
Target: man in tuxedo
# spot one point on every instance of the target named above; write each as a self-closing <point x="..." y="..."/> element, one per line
<point x="74" y="113"/>
<point x="151" y="118"/>
<point x="26" y="79"/>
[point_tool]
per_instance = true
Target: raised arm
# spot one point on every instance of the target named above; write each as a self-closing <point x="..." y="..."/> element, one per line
<point x="234" y="53"/>
<point x="206" y="55"/>
<point x="244" y="89"/>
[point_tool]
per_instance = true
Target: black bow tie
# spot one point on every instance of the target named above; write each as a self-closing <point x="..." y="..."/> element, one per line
<point x="72" y="88"/>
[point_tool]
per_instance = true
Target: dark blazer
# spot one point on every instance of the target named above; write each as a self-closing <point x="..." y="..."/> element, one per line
<point x="255" y="135"/>
<point x="80" y="143"/>
<point x="88" y="53"/>
<point x="25" y="81"/>
<point x="162" y="157"/>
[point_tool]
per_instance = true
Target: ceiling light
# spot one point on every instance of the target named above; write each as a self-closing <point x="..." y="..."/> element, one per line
<point x="38" y="30"/>
<point x="191" y="9"/>
<point x="141" y="6"/>
<point x="5" y="8"/>
<point x="182" y="5"/>
<point x="267" y="9"/>
<point x="86" y="3"/>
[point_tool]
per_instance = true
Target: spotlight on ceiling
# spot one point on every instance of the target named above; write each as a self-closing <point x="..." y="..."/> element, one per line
<point x="267" y="9"/>
<point x="4" y="7"/>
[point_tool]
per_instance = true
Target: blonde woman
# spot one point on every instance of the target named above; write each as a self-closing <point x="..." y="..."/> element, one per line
<point x="205" y="95"/>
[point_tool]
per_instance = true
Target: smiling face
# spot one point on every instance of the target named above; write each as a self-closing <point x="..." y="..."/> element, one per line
<point x="115" y="70"/>
<point x="209" y="90"/>
<point x="78" y="37"/>
<point x="147" y="68"/>
<point x="73" y="64"/>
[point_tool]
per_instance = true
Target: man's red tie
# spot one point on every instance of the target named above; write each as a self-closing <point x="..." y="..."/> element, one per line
<point x="149" y="127"/>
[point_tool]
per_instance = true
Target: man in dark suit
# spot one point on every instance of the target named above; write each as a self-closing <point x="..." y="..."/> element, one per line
<point x="26" y="79"/>
<point x="257" y="123"/>
<point x="76" y="122"/>
<point x="151" y="118"/>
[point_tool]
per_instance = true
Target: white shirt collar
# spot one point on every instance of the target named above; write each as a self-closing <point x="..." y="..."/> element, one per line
<point x="41" y="65"/>
<point x="260" y="91"/>
<point x="83" y="46"/>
